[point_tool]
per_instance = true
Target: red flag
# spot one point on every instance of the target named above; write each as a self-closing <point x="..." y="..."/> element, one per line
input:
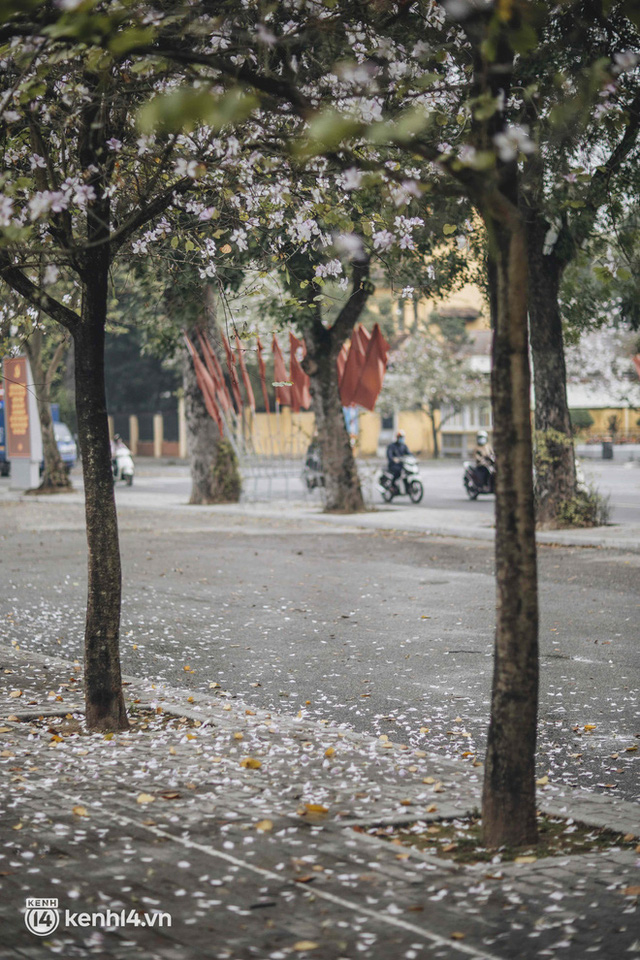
<point x="300" y="393"/>
<point x="636" y="363"/>
<point x="245" y="376"/>
<point x="373" y="370"/>
<point x="215" y="370"/>
<point x="283" y="394"/>
<point x="263" y="375"/>
<point x="206" y="384"/>
<point x="353" y="368"/>
<point x="231" y="365"/>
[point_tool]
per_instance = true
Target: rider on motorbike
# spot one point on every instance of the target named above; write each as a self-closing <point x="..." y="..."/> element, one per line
<point x="396" y="452"/>
<point x="484" y="457"/>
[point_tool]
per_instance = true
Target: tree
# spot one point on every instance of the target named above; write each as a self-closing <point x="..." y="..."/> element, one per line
<point x="45" y="351"/>
<point x="430" y="371"/>
<point x="86" y="184"/>
<point x="582" y="155"/>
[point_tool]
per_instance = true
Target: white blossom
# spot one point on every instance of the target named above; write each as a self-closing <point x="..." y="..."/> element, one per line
<point x="512" y="141"/>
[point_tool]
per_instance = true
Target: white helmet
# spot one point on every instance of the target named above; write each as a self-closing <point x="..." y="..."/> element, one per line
<point x="482" y="438"/>
<point x="400" y="435"/>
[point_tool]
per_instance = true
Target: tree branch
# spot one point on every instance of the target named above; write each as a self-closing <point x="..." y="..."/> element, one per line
<point x="147" y="213"/>
<point x="361" y="290"/>
<point x="20" y="282"/>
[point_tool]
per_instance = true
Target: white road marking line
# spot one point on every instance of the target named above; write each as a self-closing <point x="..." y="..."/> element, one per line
<point x="317" y="892"/>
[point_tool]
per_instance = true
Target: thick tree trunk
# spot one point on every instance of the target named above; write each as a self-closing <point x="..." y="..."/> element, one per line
<point x="342" y="484"/>
<point x="215" y="476"/>
<point x="508" y="810"/>
<point x="105" y="709"/>
<point x="55" y="477"/>
<point x="555" y="464"/>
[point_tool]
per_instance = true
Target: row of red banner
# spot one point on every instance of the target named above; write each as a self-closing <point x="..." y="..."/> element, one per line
<point x="361" y="369"/>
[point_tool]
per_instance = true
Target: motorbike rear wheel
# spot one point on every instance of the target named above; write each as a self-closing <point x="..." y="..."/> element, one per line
<point x="416" y="491"/>
<point x="129" y="479"/>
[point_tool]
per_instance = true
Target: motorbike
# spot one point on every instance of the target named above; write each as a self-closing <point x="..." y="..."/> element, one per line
<point x="123" y="468"/>
<point x="407" y="484"/>
<point x="312" y="472"/>
<point x="472" y="482"/>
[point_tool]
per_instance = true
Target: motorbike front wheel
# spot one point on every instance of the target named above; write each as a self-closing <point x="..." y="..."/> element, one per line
<point x="129" y="479"/>
<point x="387" y="495"/>
<point x="416" y="491"/>
<point x="472" y="491"/>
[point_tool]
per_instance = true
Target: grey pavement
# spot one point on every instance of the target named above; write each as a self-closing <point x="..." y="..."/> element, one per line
<point x="219" y="831"/>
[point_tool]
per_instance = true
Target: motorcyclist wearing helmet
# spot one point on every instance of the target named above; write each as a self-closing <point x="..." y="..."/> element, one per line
<point x="485" y="458"/>
<point x="396" y="452"/>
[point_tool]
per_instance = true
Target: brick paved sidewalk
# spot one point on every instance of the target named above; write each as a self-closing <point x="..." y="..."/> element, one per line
<point x="238" y="824"/>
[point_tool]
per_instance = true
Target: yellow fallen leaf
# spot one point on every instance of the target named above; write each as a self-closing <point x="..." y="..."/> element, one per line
<point x="263" y="826"/>
<point x="431" y="808"/>
<point x="525" y="859"/>
<point x="590" y="726"/>
<point x="6" y="753"/>
<point x="631" y="891"/>
<point x="250" y="763"/>
<point x="17" y="826"/>
<point x="80" y="811"/>
<point x="238" y="736"/>
<point x="424" y="729"/>
<point x="189" y="699"/>
<point x="626" y="749"/>
<point x="329" y="752"/>
<point x="306" y="945"/>
<point x="429" y="780"/>
<point x="145" y="798"/>
<point x="227" y="706"/>
<point x="457" y="935"/>
<point x="16" y="693"/>
<point x="314" y="809"/>
<point x="543" y="781"/>
<point x="5" y="729"/>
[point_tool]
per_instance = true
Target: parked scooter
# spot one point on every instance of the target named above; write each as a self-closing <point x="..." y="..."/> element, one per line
<point x="312" y="472"/>
<point x="477" y="481"/>
<point x="122" y="461"/>
<point x="407" y="484"/>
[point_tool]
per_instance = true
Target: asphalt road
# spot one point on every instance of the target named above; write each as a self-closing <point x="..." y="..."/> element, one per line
<point x="387" y="632"/>
<point x="442" y="481"/>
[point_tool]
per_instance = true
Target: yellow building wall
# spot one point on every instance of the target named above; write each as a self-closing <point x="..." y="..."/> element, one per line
<point x="627" y="419"/>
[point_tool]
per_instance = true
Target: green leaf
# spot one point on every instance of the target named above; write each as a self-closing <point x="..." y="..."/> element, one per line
<point x="131" y="38"/>
<point x="448" y="229"/>
<point x="186" y="109"/>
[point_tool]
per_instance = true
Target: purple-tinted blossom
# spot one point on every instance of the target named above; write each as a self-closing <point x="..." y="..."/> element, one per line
<point x="84" y="194"/>
<point x="350" y="179"/>
<point x="6" y="211"/>
<point x="382" y="240"/>
<point x="265" y="35"/>
<point x="512" y="141"/>
<point x="114" y="144"/>
<point x="36" y="161"/>
<point x="187" y="168"/>
<point x="239" y="237"/>
<point x="331" y="269"/>
<point x="625" y="61"/>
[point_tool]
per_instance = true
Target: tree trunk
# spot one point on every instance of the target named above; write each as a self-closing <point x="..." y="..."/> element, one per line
<point x="215" y="477"/>
<point x="342" y="484"/>
<point x="434" y="431"/>
<point x="555" y="463"/>
<point x="55" y="477"/>
<point x="105" y="709"/>
<point x="508" y="809"/>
